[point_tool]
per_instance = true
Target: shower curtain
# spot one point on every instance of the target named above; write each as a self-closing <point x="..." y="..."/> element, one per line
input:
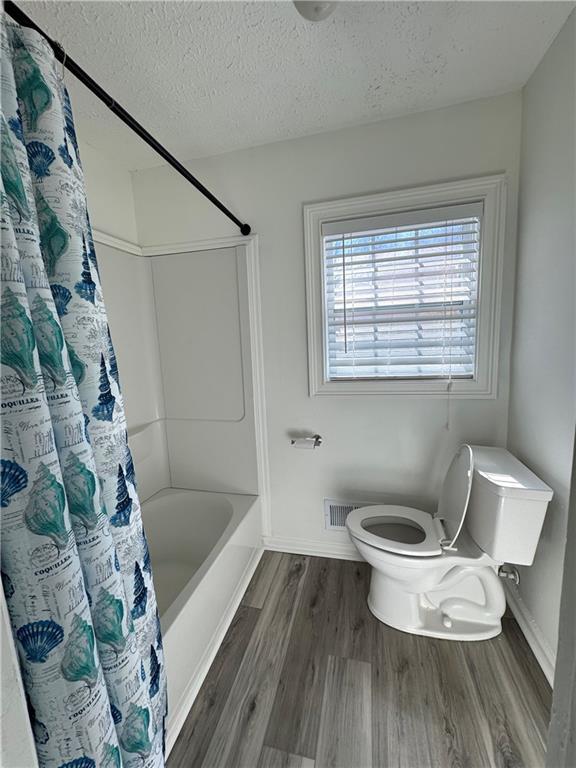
<point x="75" y="565"/>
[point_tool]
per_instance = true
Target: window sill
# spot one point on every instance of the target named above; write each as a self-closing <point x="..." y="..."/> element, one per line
<point x="404" y="388"/>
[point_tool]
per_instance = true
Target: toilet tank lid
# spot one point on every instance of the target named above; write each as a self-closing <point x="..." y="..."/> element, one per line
<point x="505" y="475"/>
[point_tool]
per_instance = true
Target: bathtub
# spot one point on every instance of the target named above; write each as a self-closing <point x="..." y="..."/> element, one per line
<point x="204" y="549"/>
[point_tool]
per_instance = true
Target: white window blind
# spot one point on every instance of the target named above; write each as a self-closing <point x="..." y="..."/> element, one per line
<point x="401" y="294"/>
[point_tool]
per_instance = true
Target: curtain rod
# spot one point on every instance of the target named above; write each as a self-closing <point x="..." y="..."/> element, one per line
<point x="21" y="18"/>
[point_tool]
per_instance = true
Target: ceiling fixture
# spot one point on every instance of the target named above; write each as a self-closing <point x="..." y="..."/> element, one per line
<point x="312" y="10"/>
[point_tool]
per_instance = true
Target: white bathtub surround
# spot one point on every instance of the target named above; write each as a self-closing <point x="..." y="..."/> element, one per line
<point x="203" y="324"/>
<point x="150" y="456"/>
<point x="132" y="321"/>
<point x="194" y="431"/>
<point x="213" y="425"/>
<point x="204" y="549"/>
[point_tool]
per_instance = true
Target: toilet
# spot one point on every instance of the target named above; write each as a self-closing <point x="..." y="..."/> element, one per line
<point x="438" y="575"/>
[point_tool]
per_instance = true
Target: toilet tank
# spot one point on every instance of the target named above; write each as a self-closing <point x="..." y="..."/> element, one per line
<point x="507" y="506"/>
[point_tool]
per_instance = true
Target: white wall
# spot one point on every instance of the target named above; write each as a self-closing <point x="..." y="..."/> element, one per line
<point x="109" y="191"/>
<point x="375" y="447"/>
<point x="543" y="390"/>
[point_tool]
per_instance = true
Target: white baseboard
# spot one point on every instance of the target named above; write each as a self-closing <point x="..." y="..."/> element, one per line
<point x="339" y="550"/>
<point x="545" y="655"/>
<point x="179" y="713"/>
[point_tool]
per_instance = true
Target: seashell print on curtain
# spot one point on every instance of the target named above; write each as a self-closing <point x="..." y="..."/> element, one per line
<point x="75" y="564"/>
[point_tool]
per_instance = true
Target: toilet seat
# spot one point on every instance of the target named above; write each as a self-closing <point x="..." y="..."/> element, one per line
<point x="438" y="533"/>
<point x="358" y="519"/>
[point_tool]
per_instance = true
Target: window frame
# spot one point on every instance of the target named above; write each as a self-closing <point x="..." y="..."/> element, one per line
<point x="491" y="191"/>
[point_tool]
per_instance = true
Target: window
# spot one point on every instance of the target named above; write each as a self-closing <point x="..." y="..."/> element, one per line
<point x="401" y="295"/>
<point x="403" y="291"/>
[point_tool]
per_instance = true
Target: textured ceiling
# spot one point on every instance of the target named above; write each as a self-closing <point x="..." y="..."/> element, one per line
<point x="211" y="77"/>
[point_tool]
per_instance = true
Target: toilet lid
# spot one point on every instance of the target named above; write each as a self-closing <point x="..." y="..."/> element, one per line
<point x="453" y="503"/>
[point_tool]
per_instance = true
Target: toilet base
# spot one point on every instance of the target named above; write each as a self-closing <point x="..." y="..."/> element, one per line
<point x="467" y="605"/>
<point x="432" y="626"/>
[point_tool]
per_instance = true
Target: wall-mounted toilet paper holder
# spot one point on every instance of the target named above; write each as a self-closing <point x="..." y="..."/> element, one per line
<point x="314" y="441"/>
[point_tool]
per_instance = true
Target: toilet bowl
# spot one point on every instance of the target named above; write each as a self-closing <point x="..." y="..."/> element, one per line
<point x="437" y="575"/>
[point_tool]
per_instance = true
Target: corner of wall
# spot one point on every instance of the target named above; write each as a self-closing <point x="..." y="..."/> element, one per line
<point x="137" y="227"/>
<point x="510" y="276"/>
<point x="110" y="194"/>
<point x="541" y="413"/>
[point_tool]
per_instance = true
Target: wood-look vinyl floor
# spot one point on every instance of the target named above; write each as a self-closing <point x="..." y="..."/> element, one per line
<point x="307" y="678"/>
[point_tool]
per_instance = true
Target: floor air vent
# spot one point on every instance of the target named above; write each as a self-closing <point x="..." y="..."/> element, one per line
<point x="336" y="512"/>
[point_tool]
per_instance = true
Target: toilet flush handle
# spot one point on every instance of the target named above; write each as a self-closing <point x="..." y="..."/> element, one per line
<point x="509" y="572"/>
